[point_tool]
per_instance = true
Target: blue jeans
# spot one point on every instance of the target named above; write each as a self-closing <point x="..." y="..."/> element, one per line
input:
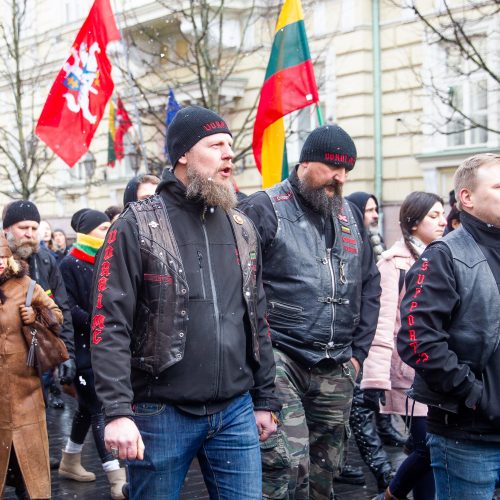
<point x="464" y="469"/>
<point x="226" y="444"/>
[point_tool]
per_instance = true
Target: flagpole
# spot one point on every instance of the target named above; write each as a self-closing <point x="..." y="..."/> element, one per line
<point x="319" y="115"/>
<point x="134" y="97"/>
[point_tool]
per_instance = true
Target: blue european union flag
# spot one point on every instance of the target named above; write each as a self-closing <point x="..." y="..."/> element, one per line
<point x="172" y="107"/>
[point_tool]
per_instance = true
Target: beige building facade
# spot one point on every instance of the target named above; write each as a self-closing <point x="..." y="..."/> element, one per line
<point x="380" y="73"/>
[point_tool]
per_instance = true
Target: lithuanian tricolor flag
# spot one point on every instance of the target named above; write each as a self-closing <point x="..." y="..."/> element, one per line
<point x="111" y="135"/>
<point x="289" y="85"/>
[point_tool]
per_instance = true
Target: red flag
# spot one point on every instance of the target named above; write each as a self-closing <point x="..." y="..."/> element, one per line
<point x="79" y="95"/>
<point x="123" y="124"/>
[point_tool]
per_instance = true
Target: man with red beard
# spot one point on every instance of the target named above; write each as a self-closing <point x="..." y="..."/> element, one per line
<point x="21" y="219"/>
<point x="181" y="355"/>
<point x="322" y="289"/>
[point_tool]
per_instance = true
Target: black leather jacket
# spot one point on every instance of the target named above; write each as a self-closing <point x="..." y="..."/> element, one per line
<point x="180" y="306"/>
<point x="450" y="333"/>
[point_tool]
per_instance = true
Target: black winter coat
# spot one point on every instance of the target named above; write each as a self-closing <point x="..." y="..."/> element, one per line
<point x="217" y="365"/>
<point x="77" y="276"/>
<point x="477" y="395"/>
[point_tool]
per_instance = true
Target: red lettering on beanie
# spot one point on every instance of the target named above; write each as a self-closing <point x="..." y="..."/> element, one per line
<point x="213" y="125"/>
<point x="340" y="158"/>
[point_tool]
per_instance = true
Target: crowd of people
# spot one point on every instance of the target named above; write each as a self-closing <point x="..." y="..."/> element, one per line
<point x="255" y="332"/>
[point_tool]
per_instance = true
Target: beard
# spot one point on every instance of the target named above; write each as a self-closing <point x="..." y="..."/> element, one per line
<point x="212" y="193"/>
<point x="319" y="200"/>
<point x="23" y="248"/>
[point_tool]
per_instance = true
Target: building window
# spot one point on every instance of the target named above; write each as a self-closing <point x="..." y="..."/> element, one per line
<point x="462" y="98"/>
<point x="468" y="96"/>
<point x="74" y="11"/>
<point x="471" y="98"/>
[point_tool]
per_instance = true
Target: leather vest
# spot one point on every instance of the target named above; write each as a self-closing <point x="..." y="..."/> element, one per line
<point x="313" y="293"/>
<point x="474" y="331"/>
<point x="473" y="337"/>
<point x="160" y="321"/>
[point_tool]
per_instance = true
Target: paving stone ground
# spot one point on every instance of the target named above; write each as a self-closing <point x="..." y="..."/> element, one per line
<point x="59" y="424"/>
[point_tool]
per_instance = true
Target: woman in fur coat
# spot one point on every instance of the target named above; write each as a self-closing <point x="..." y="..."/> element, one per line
<point x="24" y="447"/>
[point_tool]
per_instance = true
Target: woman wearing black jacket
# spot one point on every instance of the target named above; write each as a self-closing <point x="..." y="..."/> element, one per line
<point x="77" y="269"/>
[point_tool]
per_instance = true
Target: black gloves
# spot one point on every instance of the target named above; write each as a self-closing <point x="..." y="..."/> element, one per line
<point x="373" y="398"/>
<point x="67" y="372"/>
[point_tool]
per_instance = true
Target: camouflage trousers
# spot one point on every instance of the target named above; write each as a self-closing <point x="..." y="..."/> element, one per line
<point x="301" y="459"/>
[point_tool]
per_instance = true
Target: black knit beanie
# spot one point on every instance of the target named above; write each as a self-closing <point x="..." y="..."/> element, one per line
<point x="330" y="144"/>
<point x="189" y="126"/>
<point x="86" y="220"/>
<point x="20" y="210"/>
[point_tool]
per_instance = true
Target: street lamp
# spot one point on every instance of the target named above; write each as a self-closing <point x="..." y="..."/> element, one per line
<point x="133" y="157"/>
<point x="88" y="162"/>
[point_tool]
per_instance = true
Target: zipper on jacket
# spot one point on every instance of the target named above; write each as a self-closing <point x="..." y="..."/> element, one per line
<point x="342" y="276"/>
<point x="332" y="277"/>
<point x="200" y="262"/>
<point x="216" y="308"/>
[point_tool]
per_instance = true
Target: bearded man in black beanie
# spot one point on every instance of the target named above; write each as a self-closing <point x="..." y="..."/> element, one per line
<point x="20" y="224"/>
<point x="181" y="355"/>
<point x="323" y="290"/>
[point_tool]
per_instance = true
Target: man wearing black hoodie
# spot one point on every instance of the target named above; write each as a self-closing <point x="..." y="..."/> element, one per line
<point x="181" y="354"/>
<point x="450" y="319"/>
<point x="139" y="188"/>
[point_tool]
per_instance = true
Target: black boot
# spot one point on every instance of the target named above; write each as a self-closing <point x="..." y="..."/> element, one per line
<point x="389" y="435"/>
<point x="384" y="478"/>
<point x="351" y="475"/>
<point x="362" y="422"/>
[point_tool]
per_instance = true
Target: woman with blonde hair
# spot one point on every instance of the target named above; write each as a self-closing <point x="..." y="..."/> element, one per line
<point x="24" y="450"/>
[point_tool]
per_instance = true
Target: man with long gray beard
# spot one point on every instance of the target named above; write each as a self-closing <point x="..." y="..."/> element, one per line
<point x="20" y="220"/>
<point x="322" y="289"/>
<point x="181" y="353"/>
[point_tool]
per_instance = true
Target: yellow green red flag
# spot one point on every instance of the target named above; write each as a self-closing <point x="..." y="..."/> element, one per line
<point x="289" y="85"/>
<point x="111" y="135"/>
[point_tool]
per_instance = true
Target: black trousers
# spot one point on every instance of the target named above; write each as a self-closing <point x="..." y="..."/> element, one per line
<point x="89" y="414"/>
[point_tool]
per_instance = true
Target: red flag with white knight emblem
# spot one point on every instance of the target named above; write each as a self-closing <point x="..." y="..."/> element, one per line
<point x="79" y="95"/>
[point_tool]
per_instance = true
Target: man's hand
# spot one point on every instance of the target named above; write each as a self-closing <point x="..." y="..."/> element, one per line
<point x="27" y="314"/>
<point x="123" y="439"/>
<point x="67" y="372"/>
<point x="357" y="366"/>
<point x="266" y="424"/>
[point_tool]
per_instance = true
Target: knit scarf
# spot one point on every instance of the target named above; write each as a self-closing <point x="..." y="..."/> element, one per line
<point x="86" y="247"/>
